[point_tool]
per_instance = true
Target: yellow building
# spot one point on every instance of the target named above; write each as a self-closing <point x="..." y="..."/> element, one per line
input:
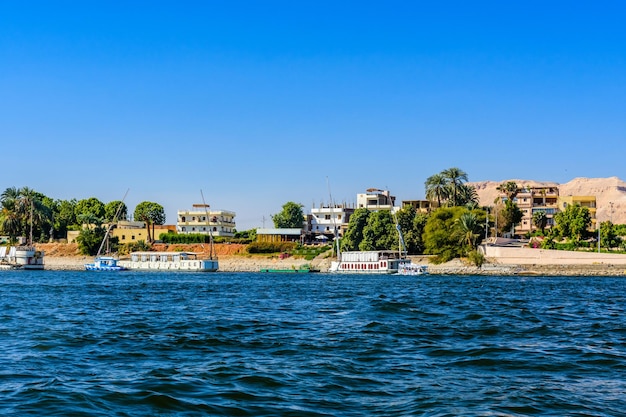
<point x="588" y="201"/>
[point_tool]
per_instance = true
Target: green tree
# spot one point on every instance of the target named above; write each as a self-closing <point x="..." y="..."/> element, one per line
<point x="573" y="222"/>
<point x="540" y="220"/>
<point x="380" y="232"/>
<point x="291" y="216"/>
<point x="456" y="177"/>
<point x="115" y="210"/>
<point x="468" y="230"/>
<point x="441" y="236"/>
<point x="64" y="217"/>
<point x="24" y="212"/>
<point x="412" y="226"/>
<point x="354" y="234"/>
<point x="608" y="236"/>
<point x="90" y="238"/>
<point x="150" y="213"/>
<point x="509" y="188"/>
<point x="89" y="208"/>
<point x="437" y="188"/>
<point x="467" y="196"/>
<point x="511" y="215"/>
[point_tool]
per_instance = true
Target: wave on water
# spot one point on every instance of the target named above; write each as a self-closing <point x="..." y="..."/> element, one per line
<point x="141" y="344"/>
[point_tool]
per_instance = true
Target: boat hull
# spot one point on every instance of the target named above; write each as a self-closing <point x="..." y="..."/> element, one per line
<point x="368" y="262"/>
<point x="169" y="261"/>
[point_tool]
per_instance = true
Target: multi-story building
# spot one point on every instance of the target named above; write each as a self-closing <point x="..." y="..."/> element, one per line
<point x="375" y="199"/>
<point x="201" y="219"/>
<point x="328" y="218"/>
<point x="421" y="206"/>
<point x="533" y="199"/>
<point x="588" y="201"/>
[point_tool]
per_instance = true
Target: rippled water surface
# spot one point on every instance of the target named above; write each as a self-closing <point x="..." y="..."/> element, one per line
<point x="141" y="344"/>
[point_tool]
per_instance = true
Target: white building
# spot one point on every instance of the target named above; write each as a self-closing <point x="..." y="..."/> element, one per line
<point x="201" y="219"/>
<point x="375" y="200"/>
<point x="325" y="219"/>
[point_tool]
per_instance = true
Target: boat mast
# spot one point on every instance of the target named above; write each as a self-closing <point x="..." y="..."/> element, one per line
<point x="209" y="226"/>
<point x="401" y="244"/>
<point x="332" y="204"/>
<point x="108" y="232"/>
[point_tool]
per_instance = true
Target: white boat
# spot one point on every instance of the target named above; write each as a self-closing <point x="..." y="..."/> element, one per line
<point x="21" y="257"/>
<point x="104" y="263"/>
<point x="107" y="262"/>
<point x="369" y="262"/>
<point x="168" y="261"/>
<point x="413" y="269"/>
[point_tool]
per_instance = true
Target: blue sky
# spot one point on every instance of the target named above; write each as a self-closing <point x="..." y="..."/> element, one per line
<point x="260" y="103"/>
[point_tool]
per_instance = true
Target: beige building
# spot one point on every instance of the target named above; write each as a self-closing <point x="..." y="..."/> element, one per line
<point x="533" y="199"/>
<point x="421" y="206"/>
<point x="375" y="200"/>
<point x="201" y="219"/>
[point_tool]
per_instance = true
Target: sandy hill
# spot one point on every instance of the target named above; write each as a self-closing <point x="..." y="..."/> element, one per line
<point x="606" y="190"/>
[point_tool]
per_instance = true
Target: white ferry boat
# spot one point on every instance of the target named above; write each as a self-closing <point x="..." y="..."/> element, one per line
<point x="169" y="261"/>
<point x="369" y="262"/>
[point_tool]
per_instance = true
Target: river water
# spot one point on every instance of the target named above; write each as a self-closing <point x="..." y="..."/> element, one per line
<point x="245" y="344"/>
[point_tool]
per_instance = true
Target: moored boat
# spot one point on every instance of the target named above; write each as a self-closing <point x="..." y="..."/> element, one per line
<point x="369" y="262"/>
<point x="22" y="257"/>
<point x="104" y="263"/>
<point x="413" y="269"/>
<point x="169" y="261"/>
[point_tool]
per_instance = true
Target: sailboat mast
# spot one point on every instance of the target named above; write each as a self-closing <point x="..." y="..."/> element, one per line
<point x="332" y="204"/>
<point x="208" y="225"/>
<point x="108" y="232"/>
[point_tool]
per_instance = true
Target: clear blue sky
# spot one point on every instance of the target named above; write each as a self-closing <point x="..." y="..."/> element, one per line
<point x="260" y="103"/>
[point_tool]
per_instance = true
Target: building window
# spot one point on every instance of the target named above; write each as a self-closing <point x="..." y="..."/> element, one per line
<point x="327" y="217"/>
<point x="183" y="219"/>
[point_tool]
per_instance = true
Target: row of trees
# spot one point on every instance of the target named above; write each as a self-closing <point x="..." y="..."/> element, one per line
<point x="26" y="212"/>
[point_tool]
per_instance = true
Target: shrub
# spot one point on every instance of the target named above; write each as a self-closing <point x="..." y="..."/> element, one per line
<point x="477" y="258"/>
<point x="271" y="247"/>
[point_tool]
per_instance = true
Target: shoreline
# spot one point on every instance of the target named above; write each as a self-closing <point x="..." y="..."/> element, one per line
<point x="454" y="267"/>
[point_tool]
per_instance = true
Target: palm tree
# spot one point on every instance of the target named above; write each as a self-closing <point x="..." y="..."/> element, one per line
<point x="468" y="229"/>
<point x="467" y="195"/>
<point x="540" y="220"/>
<point x="23" y="209"/>
<point x="509" y="188"/>
<point x="455" y="178"/>
<point x="437" y="188"/>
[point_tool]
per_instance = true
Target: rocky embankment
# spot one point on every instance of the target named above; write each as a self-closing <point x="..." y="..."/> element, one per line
<point x="233" y="258"/>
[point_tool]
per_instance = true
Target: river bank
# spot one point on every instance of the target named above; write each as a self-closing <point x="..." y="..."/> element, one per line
<point x="237" y="263"/>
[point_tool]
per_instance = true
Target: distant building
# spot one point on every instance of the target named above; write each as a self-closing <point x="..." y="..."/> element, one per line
<point x="375" y="200"/>
<point x="201" y="219"/>
<point x="533" y="199"/>
<point x="588" y="201"/>
<point x="326" y="219"/>
<point x="135" y="231"/>
<point x="420" y="206"/>
<point x="278" y="235"/>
